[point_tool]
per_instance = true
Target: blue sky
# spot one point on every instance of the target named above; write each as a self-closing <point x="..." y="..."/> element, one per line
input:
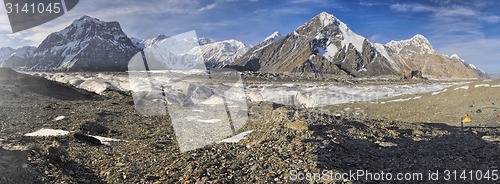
<point x="470" y="28"/>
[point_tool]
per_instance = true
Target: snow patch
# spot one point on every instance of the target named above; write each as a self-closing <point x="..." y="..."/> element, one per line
<point x="404" y="100"/>
<point x="106" y="140"/>
<point x="383" y="51"/>
<point x="482" y="85"/>
<point x="439" y="92"/>
<point x="276" y="35"/>
<point x="59" y="118"/>
<point x="47" y="133"/>
<point x="52" y="132"/>
<point x="330" y="52"/>
<point x="455" y="56"/>
<point x="351" y="38"/>
<point x="236" y="138"/>
<point x="462" y="87"/>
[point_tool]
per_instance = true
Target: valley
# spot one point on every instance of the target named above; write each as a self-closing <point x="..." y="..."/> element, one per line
<point x="92" y="105"/>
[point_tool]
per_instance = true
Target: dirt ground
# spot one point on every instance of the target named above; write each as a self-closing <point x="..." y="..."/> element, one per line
<point x="446" y="106"/>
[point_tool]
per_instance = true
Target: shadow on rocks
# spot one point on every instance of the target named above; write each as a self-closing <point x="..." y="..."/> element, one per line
<point x="397" y="147"/>
<point x="14" y="167"/>
<point x="54" y="165"/>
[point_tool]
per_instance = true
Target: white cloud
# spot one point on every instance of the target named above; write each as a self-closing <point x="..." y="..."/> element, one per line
<point x="454" y="12"/>
<point x="491" y="19"/>
<point x="207" y="7"/>
<point x="457" y="11"/>
<point x="412" y="8"/>
<point x="283" y="11"/>
<point x="375" y="37"/>
<point x="371" y="3"/>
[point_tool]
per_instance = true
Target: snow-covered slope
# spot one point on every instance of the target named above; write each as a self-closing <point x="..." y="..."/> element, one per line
<point x="270" y="39"/>
<point x="88" y="44"/>
<point x="219" y="54"/>
<point x="347" y="35"/>
<point x="418" y="44"/>
<point x="152" y="41"/>
<point x="323" y="45"/>
<point x="143" y="43"/>
<point x="214" y="54"/>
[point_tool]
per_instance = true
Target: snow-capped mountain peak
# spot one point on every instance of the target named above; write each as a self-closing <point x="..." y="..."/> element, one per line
<point x="455" y="56"/>
<point x="276" y="35"/>
<point x="347" y="36"/>
<point x="87" y="44"/>
<point x="86" y="19"/>
<point x="417" y="42"/>
<point x="221" y="53"/>
<point x="326" y="18"/>
<point x="270" y="39"/>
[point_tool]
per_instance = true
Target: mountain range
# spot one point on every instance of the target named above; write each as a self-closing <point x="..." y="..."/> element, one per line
<point x="326" y="45"/>
<point x="323" y="45"/>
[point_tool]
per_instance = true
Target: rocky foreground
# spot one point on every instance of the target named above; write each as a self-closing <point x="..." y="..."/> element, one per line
<point x="285" y="142"/>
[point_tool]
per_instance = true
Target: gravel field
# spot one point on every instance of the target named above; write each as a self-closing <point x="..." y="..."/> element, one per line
<point x="287" y="143"/>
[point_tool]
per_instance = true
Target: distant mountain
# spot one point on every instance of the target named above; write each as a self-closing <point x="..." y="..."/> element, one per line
<point x="417" y="54"/>
<point x="326" y="45"/>
<point x="88" y="44"/>
<point x="152" y="41"/>
<point x="15" y="56"/>
<point x="323" y="45"/>
<point x="143" y="43"/>
<point x="219" y="54"/>
<point x="479" y="72"/>
<point x="215" y="54"/>
<point x="495" y="75"/>
<point x="5" y="53"/>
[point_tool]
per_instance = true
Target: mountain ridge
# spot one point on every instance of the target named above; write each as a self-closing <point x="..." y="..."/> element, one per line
<point x="323" y="45"/>
<point x="326" y="45"/>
